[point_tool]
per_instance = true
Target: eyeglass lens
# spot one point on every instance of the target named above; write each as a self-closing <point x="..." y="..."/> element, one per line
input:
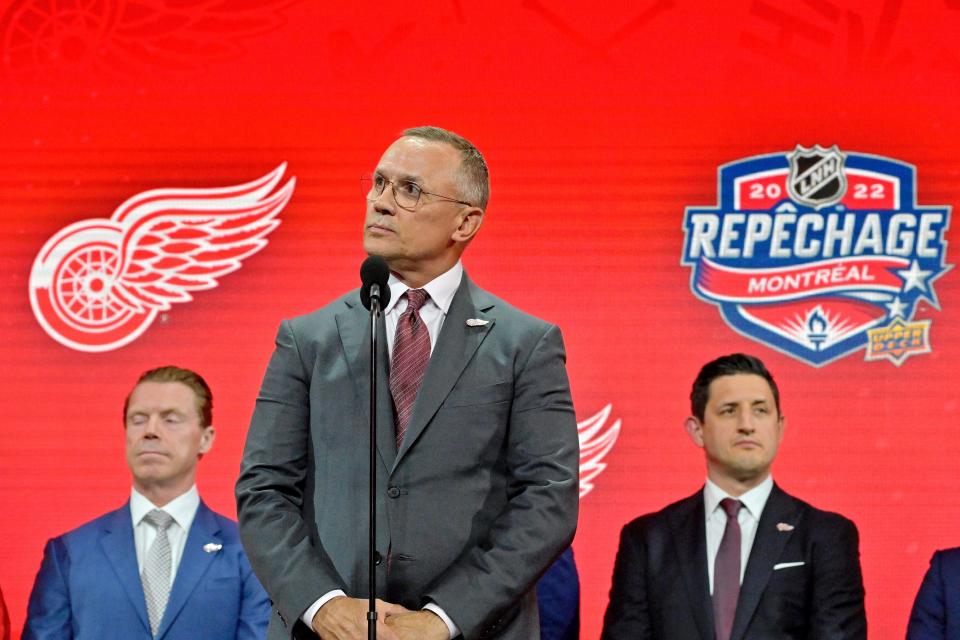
<point x="405" y="193"/>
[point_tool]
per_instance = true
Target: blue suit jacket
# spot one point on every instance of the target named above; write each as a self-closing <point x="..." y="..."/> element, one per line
<point x="936" y="611"/>
<point x="88" y="586"/>
<point x="558" y="599"/>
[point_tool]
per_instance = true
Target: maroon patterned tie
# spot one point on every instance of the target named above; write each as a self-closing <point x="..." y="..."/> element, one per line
<point x="726" y="572"/>
<point x="411" y="354"/>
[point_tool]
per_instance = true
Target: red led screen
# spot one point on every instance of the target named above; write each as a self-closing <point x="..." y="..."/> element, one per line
<point x="602" y="125"/>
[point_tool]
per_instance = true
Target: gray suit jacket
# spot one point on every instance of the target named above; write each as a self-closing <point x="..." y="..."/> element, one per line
<point x="475" y="505"/>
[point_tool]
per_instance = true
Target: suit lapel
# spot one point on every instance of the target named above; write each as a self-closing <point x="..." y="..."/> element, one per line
<point x="688" y="528"/>
<point x="193" y="564"/>
<point x="454" y="349"/>
<point x="767" y="547"/>
<point x="353" y="323"/>
<point x="117" y="544"/>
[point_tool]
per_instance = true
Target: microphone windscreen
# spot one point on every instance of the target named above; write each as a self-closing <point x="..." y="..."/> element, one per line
<point x="374" y="271"/>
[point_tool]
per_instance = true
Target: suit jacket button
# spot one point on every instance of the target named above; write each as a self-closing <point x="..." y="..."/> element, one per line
<point x="393" y="492"/>
<point x="377" y="558"/>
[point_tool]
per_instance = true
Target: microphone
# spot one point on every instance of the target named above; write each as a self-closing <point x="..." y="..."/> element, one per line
<point x="374" y="274"/>
<point x="374" y="294"/>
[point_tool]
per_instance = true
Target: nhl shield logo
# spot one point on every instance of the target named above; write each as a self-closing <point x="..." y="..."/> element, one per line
<point x="819" y="254"/>
<point x="816" y="175"/>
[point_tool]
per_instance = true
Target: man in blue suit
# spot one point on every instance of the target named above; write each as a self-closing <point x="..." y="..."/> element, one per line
<point x="558" y="599"/>
<point x="164" y="565"/>
<point x="936" y="611"/>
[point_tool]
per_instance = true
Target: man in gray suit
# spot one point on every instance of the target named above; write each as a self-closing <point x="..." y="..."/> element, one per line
<point x="477" y="483"/>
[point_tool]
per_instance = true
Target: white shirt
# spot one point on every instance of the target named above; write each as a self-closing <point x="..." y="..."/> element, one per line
<point x="182" y="509"/>
<point x="441" y="290"/>
<point x="749" y="516"/>
<point x="434" y="310"/>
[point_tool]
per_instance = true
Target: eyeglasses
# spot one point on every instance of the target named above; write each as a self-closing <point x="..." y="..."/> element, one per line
<point x="406" y="193"/>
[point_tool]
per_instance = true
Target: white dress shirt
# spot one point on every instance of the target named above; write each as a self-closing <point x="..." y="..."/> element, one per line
<point x="182" y="509"/>
<point x="441" y="291"/>
<point x="749" y="516"/>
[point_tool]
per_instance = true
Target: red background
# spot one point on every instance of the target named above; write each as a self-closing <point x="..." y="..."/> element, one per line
<point x="600" y="123"/>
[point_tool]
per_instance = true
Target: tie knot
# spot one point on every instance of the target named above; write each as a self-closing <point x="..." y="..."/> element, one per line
<point x="159" y="518"/>
<point x="731" y="506"/>
<point x="416" y="299"/>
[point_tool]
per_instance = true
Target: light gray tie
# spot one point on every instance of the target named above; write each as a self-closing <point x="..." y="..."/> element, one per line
<point x="156" y="569"/>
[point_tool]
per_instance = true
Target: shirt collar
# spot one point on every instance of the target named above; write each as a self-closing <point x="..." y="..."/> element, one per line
<point x="441" y="289"/>
<point x="754" y="500"/>
<point x="182" y="508"/>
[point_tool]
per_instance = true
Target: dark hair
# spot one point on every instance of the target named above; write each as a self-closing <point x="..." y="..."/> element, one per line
<point x="733" y="364"/>
<point x="473" y="177"/>
<point x="192" y="379"/>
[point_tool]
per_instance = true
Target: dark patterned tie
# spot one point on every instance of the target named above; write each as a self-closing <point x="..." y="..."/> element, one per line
<point x="157" y="567"/>
<point x="726" y="572"/>
<point x="411" y="354"/>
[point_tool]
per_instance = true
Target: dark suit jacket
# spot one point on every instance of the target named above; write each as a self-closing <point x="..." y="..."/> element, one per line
<point x="661" y="587"/>
<point x="88" y="586"/>
<point x="936" y="611"/>
<point x="475" y="505"/>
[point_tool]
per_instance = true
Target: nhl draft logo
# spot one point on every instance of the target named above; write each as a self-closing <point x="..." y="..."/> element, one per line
<point x="819" y="253"/>
<point x="98" y="284"/>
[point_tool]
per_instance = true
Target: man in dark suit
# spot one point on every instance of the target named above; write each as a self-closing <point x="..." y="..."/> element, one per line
<point x="936" y="610"/>
<point x="740" y="559"/>
<point x="477" y="481"/>
<point x="163" y="566"/>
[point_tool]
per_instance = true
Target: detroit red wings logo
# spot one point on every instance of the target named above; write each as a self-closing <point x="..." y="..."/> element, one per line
<point x="42" y="40"/>
<point x="98" y="284"/>
<point x="596" y="440"/>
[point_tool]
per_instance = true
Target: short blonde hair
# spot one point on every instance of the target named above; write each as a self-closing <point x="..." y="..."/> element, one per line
<point x="193" y="380"/>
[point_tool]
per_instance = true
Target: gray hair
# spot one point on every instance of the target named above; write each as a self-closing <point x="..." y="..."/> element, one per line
<point x="473" y="178"/>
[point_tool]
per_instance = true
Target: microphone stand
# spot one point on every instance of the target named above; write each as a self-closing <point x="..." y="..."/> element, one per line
<point x="372" y="551"/>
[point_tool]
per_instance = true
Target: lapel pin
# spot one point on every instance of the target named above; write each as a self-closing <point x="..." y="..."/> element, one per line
<point x="783" y="526"/>
<point x="476" y="322"/>
<point x="212" y="547"/>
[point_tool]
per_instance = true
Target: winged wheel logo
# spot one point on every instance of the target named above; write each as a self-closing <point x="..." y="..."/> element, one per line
<point x="596" y="440"/>
<point x="98" y="284"/>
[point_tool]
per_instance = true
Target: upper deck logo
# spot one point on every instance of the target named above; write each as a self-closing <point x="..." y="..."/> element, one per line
<point x="99" y="283"/>
<point x="819" y="253"/>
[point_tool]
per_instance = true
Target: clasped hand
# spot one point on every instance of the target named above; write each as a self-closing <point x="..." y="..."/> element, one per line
<point x="344" y="618"/>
